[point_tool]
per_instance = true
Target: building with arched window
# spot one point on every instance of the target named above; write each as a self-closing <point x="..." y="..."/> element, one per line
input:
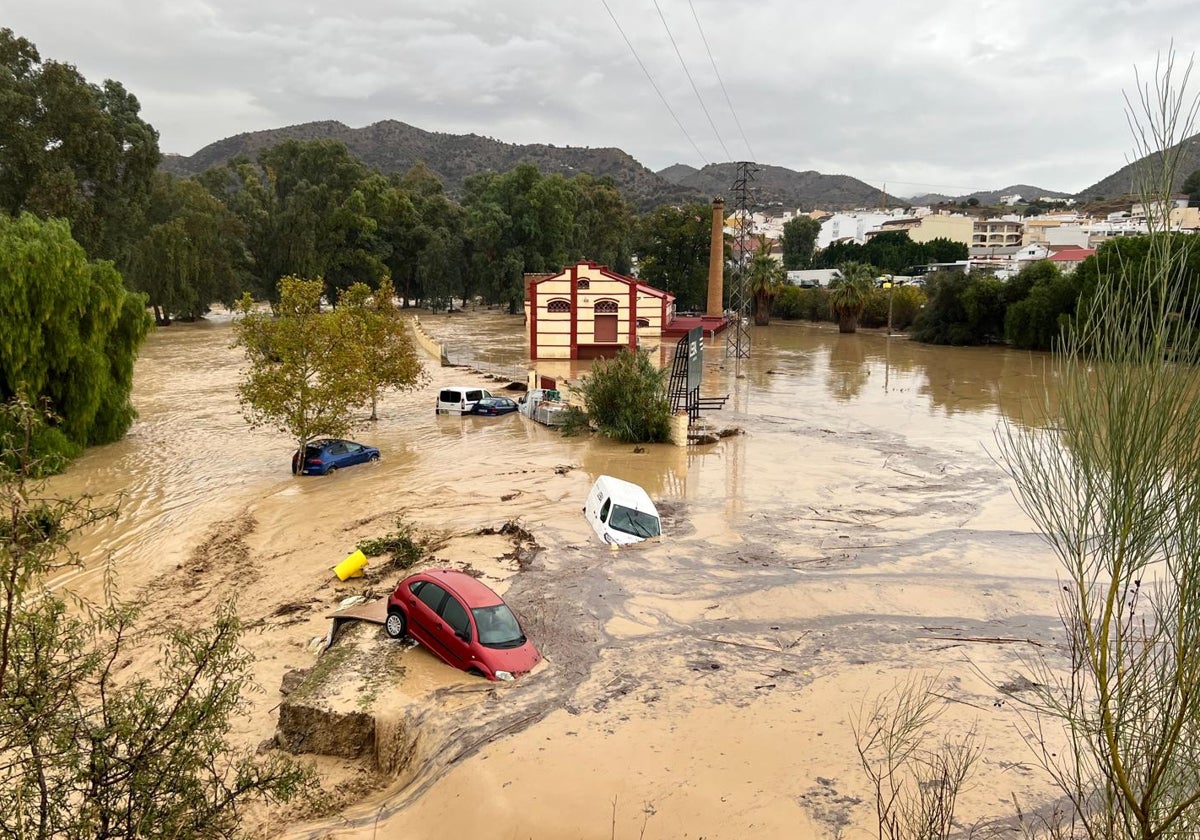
<point x="586" y="311"/>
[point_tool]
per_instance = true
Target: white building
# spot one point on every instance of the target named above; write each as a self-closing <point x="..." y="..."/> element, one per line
<point x="850" y="226"/>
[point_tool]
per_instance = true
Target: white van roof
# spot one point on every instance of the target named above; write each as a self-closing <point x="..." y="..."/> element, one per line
<point x="625" y="493"/>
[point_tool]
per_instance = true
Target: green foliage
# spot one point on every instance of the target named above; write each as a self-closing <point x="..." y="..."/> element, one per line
<point x="672" y="244"/>
<point x="626" y="397"/>
<point x="72" y="149"/>
<point x="388" y="355"/>
<point x="92" y="751"/>
<point x="192" y="253"/>
<point x="962" y="309"/>
<point x="892" y="253"/>
<point x="69" y="334"/>
<point x="799" y="239"/>
<point x="403" y="547"/>
<point x="1036" y="321"/>
<point x="766" y="277"/>
<point x="518" y="222"/>
<point x="1191" y="186"/>
<point x="848" y="293"/>
<point x="305" y="375"/>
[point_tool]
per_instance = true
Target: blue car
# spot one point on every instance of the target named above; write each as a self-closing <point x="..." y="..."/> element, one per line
<point x="326" y="455"/>
<point x="494" y="405"/>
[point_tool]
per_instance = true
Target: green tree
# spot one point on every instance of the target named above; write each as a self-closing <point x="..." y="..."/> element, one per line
<point x="766" y="280"/>
<point x="518" y="222"/>
<point x="603" y="223"/>
<point x="1035" y="320"/>
<point x="672" y="245"/>
<point x="1191" y="186"/>
<point x="72" y="149"/>
<point x="961" y="309"/>
<point x="848" y="293"/>
<point x="305" y="375"/>
<point x="626" y="397"/>
<point x="799" y="239"/>
<point x="69" y="333"/>
<point x="89" y="751"/>
<point x="389" y="358"/>
<point x="192" y="253"/>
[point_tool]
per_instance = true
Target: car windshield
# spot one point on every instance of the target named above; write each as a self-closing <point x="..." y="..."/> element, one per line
<point x="498" y="627"/>
<point x="630" y="521"/>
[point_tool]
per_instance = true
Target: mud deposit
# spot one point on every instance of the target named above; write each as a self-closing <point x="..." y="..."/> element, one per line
<point x="700" y="685"/>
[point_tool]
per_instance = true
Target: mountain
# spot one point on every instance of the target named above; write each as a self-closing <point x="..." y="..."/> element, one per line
<point x="779" y="185"/>
<point x="990" y="197"/>
<point x="1124" y="181"/>
<point x="677" y="172"/>
<point x="393" y="146"/>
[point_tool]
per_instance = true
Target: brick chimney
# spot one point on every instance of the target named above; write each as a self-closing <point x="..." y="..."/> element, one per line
<point x="716" y="260"/>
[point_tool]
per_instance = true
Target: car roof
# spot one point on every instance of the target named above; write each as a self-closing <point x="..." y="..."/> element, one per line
<point x="463" y="388"/>
<point x="625" y="493"/>
<point x="471" y="590"/>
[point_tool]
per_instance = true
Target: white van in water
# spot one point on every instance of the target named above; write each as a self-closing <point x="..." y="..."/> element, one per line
<point x="620" y="512"/>
<point x="459" y="400"/>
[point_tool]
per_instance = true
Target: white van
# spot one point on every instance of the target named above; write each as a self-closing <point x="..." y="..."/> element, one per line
<point x="459" y="400"/>
<point x="620" y="512"/>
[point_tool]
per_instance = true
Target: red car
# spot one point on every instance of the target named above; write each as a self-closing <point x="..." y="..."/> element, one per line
<point x="462" y="622"/>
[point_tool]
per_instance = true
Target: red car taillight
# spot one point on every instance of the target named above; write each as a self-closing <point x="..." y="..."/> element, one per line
<point x="314" y="462"/>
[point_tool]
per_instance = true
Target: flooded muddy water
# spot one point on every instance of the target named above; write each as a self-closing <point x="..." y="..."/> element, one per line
<point x="701" y="685"/>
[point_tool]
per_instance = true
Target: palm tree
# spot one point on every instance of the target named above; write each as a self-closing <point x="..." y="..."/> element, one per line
<point x="849" y="290"/>
<point x="766" y="279"/>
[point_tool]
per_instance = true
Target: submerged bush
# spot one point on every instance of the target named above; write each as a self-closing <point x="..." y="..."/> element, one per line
<point x="626" y="398"/>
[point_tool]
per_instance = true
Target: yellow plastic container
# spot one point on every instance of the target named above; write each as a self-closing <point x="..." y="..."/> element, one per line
<point x="352" y="566"/>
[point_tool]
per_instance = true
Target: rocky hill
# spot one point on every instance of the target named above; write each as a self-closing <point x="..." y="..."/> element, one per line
<point x="777" y="185"/>
<point x="991" y="197"/>
<point x="393" y="146"/>
<point x="1124" y="181"/>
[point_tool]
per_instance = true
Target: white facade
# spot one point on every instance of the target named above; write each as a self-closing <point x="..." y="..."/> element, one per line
<point x="852" y="226"/>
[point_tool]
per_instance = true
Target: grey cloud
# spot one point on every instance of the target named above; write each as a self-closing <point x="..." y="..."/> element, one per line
<point x="978" y="94"/>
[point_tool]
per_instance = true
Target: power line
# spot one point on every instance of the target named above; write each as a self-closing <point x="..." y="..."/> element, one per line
<point x="691" y="81"/>
<point x="652" y="84"/>
<point x="721" y="81"/>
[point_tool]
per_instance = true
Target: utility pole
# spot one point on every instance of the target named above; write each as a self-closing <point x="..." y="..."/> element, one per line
<point x="737" y="342"/>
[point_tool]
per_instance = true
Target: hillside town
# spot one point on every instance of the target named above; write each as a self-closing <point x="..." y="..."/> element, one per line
<point x="998" y="243"/>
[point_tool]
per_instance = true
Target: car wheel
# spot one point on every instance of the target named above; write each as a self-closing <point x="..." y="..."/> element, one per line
<point x="396" y="625"/>
<point x="475" y="672"/>
<point x="332" y="469"/>
<point x="374" y="458"/>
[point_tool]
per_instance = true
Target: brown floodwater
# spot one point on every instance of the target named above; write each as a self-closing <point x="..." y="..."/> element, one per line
<point x="858" y="531"/>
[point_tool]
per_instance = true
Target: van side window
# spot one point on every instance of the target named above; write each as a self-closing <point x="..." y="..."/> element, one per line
<point x="474" y="396"/>
<point x="605" y="509"/>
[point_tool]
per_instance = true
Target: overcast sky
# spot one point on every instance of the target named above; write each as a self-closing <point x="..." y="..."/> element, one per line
<point x="925" y="95"/>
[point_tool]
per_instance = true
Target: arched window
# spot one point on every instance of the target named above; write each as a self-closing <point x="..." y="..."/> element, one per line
<point x="583" y="283"/>
<point x="559" y="305"/>
<point x="643" y="322"/>
<point x="606" y="307"/>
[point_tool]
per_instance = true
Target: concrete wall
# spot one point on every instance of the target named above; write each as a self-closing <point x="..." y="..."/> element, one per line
<point x="426" y="343"/>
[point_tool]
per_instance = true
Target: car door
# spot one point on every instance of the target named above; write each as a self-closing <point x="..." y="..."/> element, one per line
<point x="337" y="454"/>
<point x="458" y="632"/>
<point x="423" y="617"/>
<point x="355" y="453"/>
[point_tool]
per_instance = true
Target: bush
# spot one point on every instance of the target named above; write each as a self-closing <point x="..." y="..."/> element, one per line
<point x="787" y="303"/>
<point x="962" y="309"/>
<point x="405" y="549"/>
<point x="626" y="398"/>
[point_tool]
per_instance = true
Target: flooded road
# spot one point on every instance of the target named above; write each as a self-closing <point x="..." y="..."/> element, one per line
<point x="856" y="532"/>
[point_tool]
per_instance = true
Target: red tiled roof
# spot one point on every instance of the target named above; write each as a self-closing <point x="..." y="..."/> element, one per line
<point x="1073" y="255"/>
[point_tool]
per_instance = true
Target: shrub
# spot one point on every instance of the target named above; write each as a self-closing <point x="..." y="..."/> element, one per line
<point x="962" y="309"/>
<point x="405" y="549"/>
<point x="788" y="303"/>
<point x="626" y="398"/>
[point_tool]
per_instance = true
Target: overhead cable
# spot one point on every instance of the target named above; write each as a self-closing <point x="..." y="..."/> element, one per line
<point x="728" y="101"/>
<point x="652" y="83"/>
<point x="691" y="81"/>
